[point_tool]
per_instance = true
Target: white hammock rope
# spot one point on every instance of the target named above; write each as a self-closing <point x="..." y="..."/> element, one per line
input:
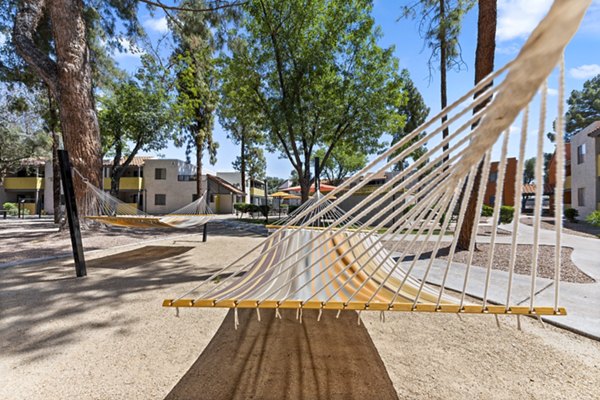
<point x="102" y="207"/>
<point x="323" y="257"/>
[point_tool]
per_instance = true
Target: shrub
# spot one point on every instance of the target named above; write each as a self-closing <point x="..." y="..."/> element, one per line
<point x="264" y="209"/>
<point x="571" y="214"/>
<point x="242" y="208"/>
<point x="594" y="218"/>
<point x="506" y="214"/>
<point x="487" y="211"/>
<point x="13" y="209"/>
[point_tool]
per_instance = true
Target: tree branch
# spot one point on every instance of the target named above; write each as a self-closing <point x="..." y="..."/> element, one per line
<point x="26" y="23"/>
<point x="217" y="6"/>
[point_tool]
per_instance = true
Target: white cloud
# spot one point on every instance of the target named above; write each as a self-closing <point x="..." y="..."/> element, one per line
<point x="517" y="18"/>
<point x="130" y="50"/>
<point x="508" y="50"/>
<point x="157" y="24"/>
<point x="552" y="92"/>
<point x="585" y="71"/>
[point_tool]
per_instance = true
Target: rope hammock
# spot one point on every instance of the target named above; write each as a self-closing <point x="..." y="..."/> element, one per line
<point x="376" y="256"/>
<point x="106" y="209"/>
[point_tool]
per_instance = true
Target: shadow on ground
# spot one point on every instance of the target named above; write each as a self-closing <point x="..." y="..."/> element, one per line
<point x="277" y="359"/>
<point x="34" y="295"/>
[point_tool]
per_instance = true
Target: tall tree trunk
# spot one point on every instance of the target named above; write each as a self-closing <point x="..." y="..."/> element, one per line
<point x="53" y="127"/>
<point x="304" y="181"/>
<point x="199" y="153"/>
<point x="484" y="65"/>
<point x="243" y="160"/>
<point x="68" y="76"/>
<point x="443" y="73"/>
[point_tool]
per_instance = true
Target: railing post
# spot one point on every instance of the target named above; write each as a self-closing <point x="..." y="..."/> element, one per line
<point x="71" y="209"/>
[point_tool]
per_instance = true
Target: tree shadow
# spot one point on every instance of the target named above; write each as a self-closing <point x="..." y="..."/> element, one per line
<point x="43" y="307"/>
<point x="276" y="359"/>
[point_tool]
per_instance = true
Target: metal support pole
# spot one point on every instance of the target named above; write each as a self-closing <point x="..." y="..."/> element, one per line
<point x="71" y="209"/>
<point x="204" y="232"/>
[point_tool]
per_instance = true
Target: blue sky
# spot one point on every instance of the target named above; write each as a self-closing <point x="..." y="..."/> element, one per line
<point x="516" y="19"/>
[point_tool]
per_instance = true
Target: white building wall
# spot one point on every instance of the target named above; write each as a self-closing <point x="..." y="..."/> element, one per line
<point x="584" y="175"/>
<point x="178" y="193"/>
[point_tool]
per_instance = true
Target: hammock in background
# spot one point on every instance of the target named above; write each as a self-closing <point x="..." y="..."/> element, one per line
<point x="107" y="209"/>
<point x="323" y="258"/>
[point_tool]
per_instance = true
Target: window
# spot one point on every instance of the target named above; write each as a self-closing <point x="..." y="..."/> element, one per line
<point x="492" y="200"/>
<point x="581" y="197"/>
<point x="186" y="178"/>
<point x="581" y="154"/>
<point x="160" y="199"/>
<point x="493" y="176"/>
<point x="160" y="173"/>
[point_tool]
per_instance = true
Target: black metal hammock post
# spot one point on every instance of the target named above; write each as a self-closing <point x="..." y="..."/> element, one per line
<point x="71" y="209"/>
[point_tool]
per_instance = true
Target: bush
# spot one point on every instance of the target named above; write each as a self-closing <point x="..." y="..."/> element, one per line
<point x="571" y="214"/>
<point x="242" y="208"/>
<point x="594" y="218"/>
<point x="13" y="209"/>
<point x="264" y="210"/>
<point x="506" y="214"/>
<point x="487" y="211"/>
<point x="292" y="208"/>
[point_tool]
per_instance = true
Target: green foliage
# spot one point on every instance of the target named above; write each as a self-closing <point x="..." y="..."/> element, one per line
<point x="594" y="218"/>
<point x="344" y="160"/>
<point x="242" y="208"/>
<point x="506" y="214"/>
<point x="317" y="80"/>
<point x="22" y="132"/>
<point x="264" y="209"/>
<point x="135" y="116"/>
<point x="273" y="184"/>
<point x="571" y="214"/>
<point x="440" y="30"/>
<point x="487" y="211"/>
<point x="415" y="112"/>
<point x="13" y="209"/>
<point x="292" y="208"/>
<point x="583" y="106"/>
<point x="529" y="171"/>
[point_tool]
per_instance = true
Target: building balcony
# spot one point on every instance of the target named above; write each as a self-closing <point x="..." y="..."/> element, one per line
<point x="23" y="183"/>
<point x="126" y="183"/>
<point x="257" y="192"/>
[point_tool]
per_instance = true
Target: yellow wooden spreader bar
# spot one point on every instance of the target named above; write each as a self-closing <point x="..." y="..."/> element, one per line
<point x="363" y="306"/>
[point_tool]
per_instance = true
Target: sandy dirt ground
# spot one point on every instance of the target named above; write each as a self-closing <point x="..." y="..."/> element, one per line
<point x="106" y="336"/>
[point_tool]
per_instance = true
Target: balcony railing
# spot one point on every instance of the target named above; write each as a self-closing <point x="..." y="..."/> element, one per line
<point x="23" y="183"/>
<point x="257" y="192"/>
<point x="126" y="183"/>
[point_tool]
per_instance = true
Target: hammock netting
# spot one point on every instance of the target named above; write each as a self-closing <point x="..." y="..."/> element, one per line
<point x="102" y="207"/>
<point x="382" y="253"/>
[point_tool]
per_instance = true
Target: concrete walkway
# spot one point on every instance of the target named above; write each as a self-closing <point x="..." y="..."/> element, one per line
<point x="582" y="301"/>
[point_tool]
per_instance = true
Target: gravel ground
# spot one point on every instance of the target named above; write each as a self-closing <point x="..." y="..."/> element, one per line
<point x="569" y="271"/>
<point x="107" y="337"/>
<point x="581" y="228"/>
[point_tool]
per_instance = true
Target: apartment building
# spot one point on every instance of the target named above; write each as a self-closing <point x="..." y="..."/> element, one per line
<point x="30" y="185"/>
<point x="255" y="189"/>
<point x="585" y="170"/>
<point x="508" y="190"/>
<point x="156" y="186"/>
